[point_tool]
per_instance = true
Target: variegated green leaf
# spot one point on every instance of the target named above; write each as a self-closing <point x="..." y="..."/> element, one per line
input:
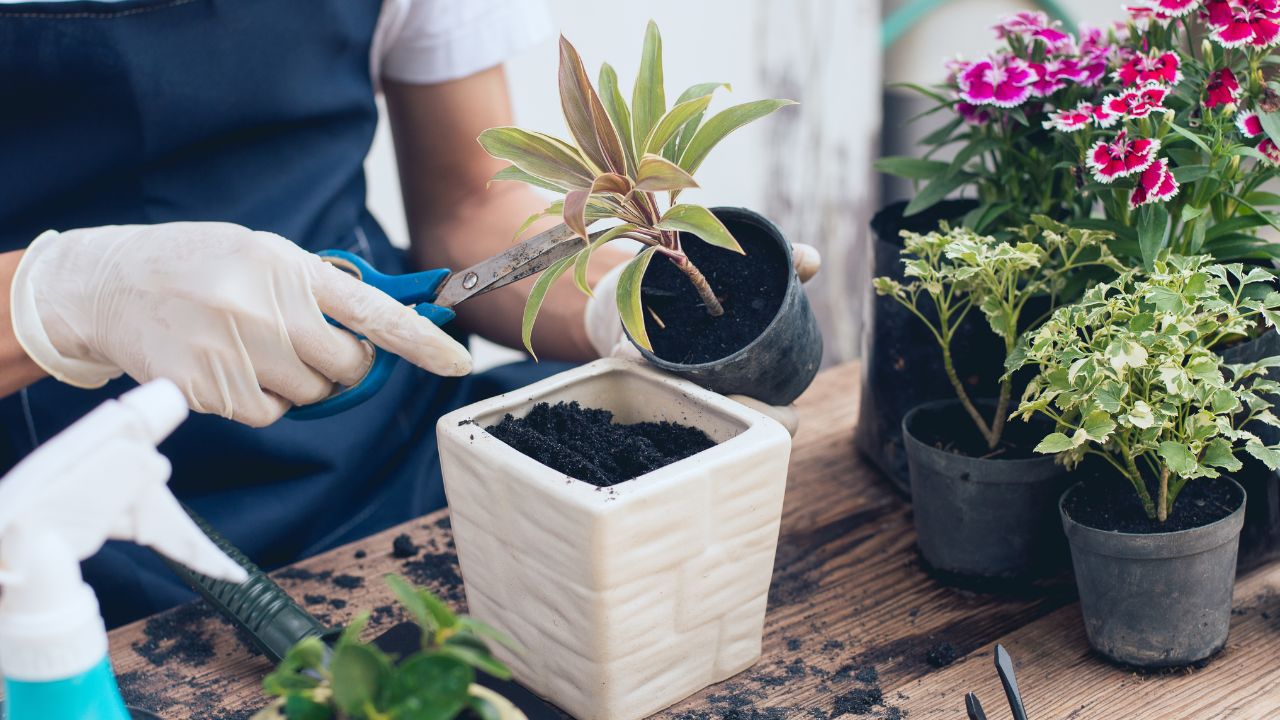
<point x="511" y="173"/>
<point x="676" y="146"/>
<point x="555" y="208"/>
<point x="720" y="125"/>
<point x="619" y="114"/>
<point x="701" y="222"/>
<point x="673" y="122"/>
<point x="658" y="174"/>
<point x="630" y="306"/>
<point x="537" y="294"/>
<point x="583" y="259"/>
<point x="538" y="155"/>
<point x="585" y="115"/>
<point x="648" y="98"/>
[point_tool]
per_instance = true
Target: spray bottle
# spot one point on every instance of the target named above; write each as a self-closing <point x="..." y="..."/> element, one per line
<point x="100" y="479"/>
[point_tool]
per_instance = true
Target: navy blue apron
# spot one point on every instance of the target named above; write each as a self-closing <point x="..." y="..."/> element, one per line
<point x="257" y="112"/>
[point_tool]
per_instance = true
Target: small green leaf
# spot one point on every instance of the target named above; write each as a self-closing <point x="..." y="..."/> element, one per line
<point x="582" y="260"/>
<point x="1190" y="136"/>
<point x="935" y="192"/>
<point x="1178" y="458"/>
<point x="1153" y="232"/>
<point x="673" y="122"/>
<point x="299" y="707"/>
<point x="658" y="174"/>
<point x="1271" y="125"/>
<point x="430" y="687"/>
<point x="1218" y="453"/>
<point x="359" y="674"/>
<point x="1098" y="426"/>
<point x="648" y="99"/>
<point x="412" y="602"/>
<point x="701" y="222"/>
<point x="720" y="125"/>
<point x="481" y="661"/>
<point x="910" y="167"/>
<point x="630" y="307"/>
<point x="1054" y="443"/>
<point x="537" y="294"/>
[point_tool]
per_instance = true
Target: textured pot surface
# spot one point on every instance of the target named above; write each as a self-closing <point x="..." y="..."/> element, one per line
<point x="1156" y="600"/>
<point x="981" y="517"/>
<point x="1260" y="538"/>
<point x="628" y="598"/>
<point x="777" y="366"/>
<point x="903" y="363"/>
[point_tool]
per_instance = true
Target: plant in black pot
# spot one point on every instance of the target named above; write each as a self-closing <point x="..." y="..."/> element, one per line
<point x="982" y="499"/>
<point x="1128" y="376"/>
<point x="724" y="308"/>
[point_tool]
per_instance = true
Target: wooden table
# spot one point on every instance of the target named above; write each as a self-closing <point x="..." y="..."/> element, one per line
<point x="850" y="613"/>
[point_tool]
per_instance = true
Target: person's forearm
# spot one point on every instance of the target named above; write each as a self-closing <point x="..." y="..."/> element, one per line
<point x="16" y="369"/>
<point x="482" y="226"/>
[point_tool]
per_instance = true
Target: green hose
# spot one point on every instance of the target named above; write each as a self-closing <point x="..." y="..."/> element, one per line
<point x="901" y="21"/>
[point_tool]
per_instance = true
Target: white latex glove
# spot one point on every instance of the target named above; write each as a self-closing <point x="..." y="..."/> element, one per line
<point x="234" y="317"/>
<point x="604" y="328"/>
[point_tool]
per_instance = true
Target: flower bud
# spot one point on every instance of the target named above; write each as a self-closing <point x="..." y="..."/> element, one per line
<point x="1206" y="49"/>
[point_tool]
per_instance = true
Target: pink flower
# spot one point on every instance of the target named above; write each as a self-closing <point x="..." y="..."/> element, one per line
<point x="1268" y="148"/>
<point x="1049" y="78"/>
<point x="1136" y="104"/>
<point x="1236" y="23"/>
<point x="1070" y="121"/>
<point x="1156" y="184"/>
<point x="1222" y="89"/>
<point x="973" y="114"/>
<point x="1033" y="26"/>
<point x="1143" y="69"/>
<point x="1171" y="8"/>
<point x="1249" y="123"/>
<point x="1121" y="157"/>
<point x="1102" y="117"/>
<point x="1001" y="80"/>
<point x="1143" y="15"/>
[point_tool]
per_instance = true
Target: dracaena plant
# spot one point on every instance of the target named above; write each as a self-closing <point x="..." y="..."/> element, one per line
<point x="1129" y="374"/>
<point x="1158" y="130"/>
<point x="360" y="682"/>
<point x="951" y="273"/>
<point x="617" y="162"/>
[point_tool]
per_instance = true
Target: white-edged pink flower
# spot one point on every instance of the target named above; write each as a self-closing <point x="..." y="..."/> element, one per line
<point x="1172" y="8"/>
<point x="1269" y="150"/>
<point x="1121" y="157"/>
<point x="1000" y="80"/>
<point x="1221" y="89"/>
<point x="1163" y="68"/>
<point x="1069" y="120"/>
<point x="1236" y="23"/>
<point x="1032" y="25"/>
<point x="1102" y="117"/>
<point x="973" y="114"/>
<point x="1143" y="15"/>
<point x="1136" y="104"/>
<point x="1156" y="184"/>
<point x="1249" y="123"/>
<point x="1048" y="78"/>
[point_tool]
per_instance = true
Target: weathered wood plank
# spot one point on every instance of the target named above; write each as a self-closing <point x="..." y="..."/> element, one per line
<point x="1060" y="678"/>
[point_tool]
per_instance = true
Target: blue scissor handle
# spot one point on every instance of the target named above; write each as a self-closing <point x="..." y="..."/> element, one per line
<point x="417" y="289"/>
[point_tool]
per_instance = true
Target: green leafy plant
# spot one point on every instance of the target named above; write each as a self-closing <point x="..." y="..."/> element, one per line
<point x="958" y="270"/>
<point x="360" y="682"/>
<point x="618" y="159"/>
<point x="1129" y="374"/>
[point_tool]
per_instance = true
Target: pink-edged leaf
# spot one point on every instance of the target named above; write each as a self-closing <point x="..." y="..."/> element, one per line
<point x="699" y="221"/>
<point x="538" y="155"/>
<point x="576" y="201"/>
<point x="584" y="256"/>
<point x="658" y="174"/>
<point x="648" y="99"/>
<point x="511" y="173"/>
<point x="536" y="295"/>
<point x="673" y="122"/>
<point x="676" y="146"/>
<point x="586" y="116"/>
<point x="630" y="307"/>
<point x="619" y="114"/>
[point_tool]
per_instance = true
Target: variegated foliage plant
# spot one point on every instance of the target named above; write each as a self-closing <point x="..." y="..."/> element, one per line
<point x="617" y="161"/>
<point x="1129" y="374"/>
<point x="958" y="270"/>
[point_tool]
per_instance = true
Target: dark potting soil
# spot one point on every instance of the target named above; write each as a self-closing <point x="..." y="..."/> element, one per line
<point x="858" y="702"/>
<point x="177" y="635"/>
<point x="1108" y="502"/>
<point x="941" y="655"/>
<point x="951" y="429"/>
<point x="403" y="546"/>
<point x="586" y="444"/>
<point x="750" y="288"/>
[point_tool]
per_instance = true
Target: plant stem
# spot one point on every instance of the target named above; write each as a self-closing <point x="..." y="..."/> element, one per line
<point x="1002" y="411"/>
<point x="1162" y="512"/>
<point x="1135" y="477"/>
<point x="709" y="299"/>
<point x="964" y="397"/>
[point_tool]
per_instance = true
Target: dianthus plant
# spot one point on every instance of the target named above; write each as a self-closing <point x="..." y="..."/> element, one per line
<point x="958" y="270"/>
<point x="1129" y="374"/>
<point x="1158" y="129"/>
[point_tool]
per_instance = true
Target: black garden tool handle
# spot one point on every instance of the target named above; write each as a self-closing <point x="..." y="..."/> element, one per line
<point x="258" y="605"/>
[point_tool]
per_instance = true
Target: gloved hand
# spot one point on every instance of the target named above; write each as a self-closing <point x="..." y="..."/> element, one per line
<point x="234" y="317"/>
<point x="604" y="328"/>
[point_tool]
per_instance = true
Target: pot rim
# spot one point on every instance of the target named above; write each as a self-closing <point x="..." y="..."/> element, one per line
<point x="793" y="281"/>
<point x="1165" y="545"/>
<point x="912" y="440"/>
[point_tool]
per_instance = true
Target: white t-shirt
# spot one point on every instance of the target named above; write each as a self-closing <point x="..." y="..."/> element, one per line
<point x="433" y="41"/>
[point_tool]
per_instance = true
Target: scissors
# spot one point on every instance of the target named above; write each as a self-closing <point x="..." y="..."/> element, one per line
<point x="433" y="295"/>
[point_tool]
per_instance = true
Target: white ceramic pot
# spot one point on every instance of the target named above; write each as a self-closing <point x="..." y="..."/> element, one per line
<point x="626" y="599"/>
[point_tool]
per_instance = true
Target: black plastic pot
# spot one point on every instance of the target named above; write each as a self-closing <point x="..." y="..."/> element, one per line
<point x="903" y="361"/>
<point x="1260" y="539"/>
<point x="979" y="517"/>
<point x="782" y="361"/>
<point x="1156" y="600"/>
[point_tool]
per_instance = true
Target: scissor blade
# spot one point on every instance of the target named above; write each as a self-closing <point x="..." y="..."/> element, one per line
<point x="525" y="258"/>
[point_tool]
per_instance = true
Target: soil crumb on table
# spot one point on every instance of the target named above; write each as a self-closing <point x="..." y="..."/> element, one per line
<point x="177" y="636"/>
<point x="941" y="655"/>
<point x="858" y="702"/>
<point x="403" y="546"/>
<point x="586" y="444"/>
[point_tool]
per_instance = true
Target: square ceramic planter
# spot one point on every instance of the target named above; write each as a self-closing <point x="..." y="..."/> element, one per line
<point x="626" y="599"/>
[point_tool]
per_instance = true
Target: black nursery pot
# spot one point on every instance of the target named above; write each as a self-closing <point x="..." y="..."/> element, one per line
<point x="903" y="360"/>
<point x="767" y="343"/>
<point x="977" y="517"/>
<point x="1156" y="600"/>
<point x="1260" y="539"/>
